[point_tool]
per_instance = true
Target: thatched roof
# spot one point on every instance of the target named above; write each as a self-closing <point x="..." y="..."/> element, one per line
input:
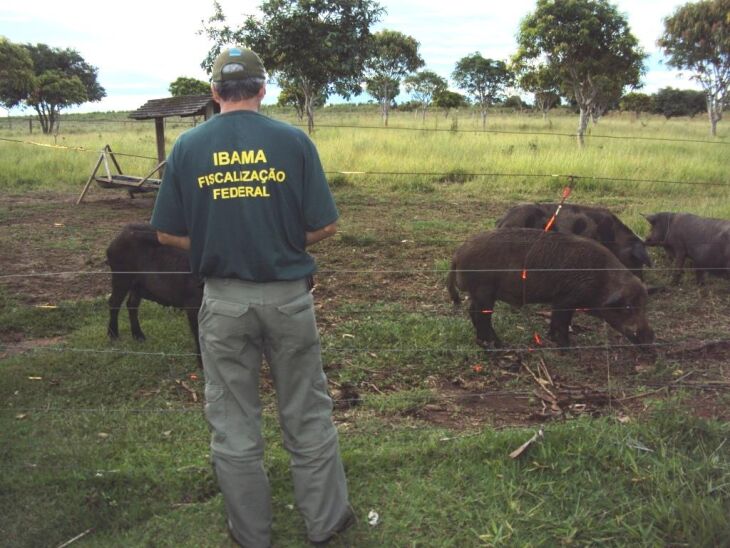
<point x="186" y="105"/>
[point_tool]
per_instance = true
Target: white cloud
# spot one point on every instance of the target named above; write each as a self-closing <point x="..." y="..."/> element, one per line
<point x="148" y="43"/>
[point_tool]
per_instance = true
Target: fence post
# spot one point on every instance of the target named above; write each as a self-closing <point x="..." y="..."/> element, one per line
<point x="30" y="125"/>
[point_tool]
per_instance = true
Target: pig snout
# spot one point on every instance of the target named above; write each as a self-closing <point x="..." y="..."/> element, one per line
<point x="642" y="334"/>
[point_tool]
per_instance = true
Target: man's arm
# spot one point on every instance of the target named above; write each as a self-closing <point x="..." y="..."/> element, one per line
<point x="321" y="234"/>
<point x="181" y="242"/>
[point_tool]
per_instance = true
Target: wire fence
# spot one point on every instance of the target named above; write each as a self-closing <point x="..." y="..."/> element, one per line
<point x="679" y="348"/>
<point x="174" y="123"/>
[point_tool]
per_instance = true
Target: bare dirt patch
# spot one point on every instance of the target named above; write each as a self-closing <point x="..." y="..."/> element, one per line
<point x="44" y="235"/>
<point x="52" y="250"/>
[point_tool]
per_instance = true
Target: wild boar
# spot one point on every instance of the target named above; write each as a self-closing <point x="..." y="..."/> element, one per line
<point x="705" y="241"/>
<point x="524" y="266"/>
<point x="139" y="264"/>
<point x="596" y="223"/>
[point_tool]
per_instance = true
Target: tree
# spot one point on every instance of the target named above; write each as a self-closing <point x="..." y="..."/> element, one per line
<point x="393" y="55"/>
<point x="671" y="102"/>
<point x="448" y="100"/>
<point x="483" y="79"/>
<point x="291" y="96"/>
<point x="319" y="46"/>
<point x="16" y="73"/>
<point x="61" y="78"/>
<point x="589" y="47"/>
<point x="515" y="102"/>
<point x="425" y="86"/>
<point x="542" y="83"/>
<point x="383" y="89"/>
<point x="697" y="38"/>
<point x="188" y="86"/>
<point x="636" y="103"/>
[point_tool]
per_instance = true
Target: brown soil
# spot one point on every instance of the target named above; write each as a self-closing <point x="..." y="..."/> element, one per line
<point x="387" y="254"/>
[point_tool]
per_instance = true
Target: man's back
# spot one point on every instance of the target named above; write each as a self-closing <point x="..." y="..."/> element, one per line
<point x="250" y="187"/>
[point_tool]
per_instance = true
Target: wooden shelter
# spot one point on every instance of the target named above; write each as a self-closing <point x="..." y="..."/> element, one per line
<point x="186" y="105"/>
<point x="157" y="109"/>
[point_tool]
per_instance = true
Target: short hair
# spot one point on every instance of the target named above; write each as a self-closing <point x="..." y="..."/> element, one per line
<point x="239" y="90"/>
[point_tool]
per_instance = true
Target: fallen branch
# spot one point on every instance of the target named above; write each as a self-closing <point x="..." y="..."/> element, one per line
<point x="77" y="537"/>
<point x="191" y="391"/>
<point x="522" y="448"/>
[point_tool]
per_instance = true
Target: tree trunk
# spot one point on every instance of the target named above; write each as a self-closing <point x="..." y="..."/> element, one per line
<point x="424" y="114"/>
<point x="309" y="109"/>
<point x="582" y="125"/>
<point x="484" y="118"/>
<point x="713" y="114"/>
<point x="386" y="104"/>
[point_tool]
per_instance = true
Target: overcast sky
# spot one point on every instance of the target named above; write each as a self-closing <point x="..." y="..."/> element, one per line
<point x="140" y="46"/>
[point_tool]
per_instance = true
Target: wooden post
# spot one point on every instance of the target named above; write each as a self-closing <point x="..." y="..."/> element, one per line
<point x="30" y="125"/>
<point x="160" y="134"/>
<point x="91" y="178"/>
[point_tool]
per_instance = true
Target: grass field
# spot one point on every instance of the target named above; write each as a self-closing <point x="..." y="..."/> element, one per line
<point x="108" y="439"/>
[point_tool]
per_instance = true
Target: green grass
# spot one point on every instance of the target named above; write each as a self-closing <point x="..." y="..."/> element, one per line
<point x="103" y="435"/>
<point x="111" y="441"/>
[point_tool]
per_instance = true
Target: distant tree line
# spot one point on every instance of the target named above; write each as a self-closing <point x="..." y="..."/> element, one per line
<point x="669" y="102"/>
<point x="578" y="51"/>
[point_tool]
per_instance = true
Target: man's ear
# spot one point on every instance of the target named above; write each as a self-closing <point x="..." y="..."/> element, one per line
<point x="214" y="93"/>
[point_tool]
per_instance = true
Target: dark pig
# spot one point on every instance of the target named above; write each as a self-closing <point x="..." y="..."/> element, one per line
<point x="705" y="241"/>
<point x="596" y="223"/>
<point x="565" y="271"/>
<point x="139" y="263"/>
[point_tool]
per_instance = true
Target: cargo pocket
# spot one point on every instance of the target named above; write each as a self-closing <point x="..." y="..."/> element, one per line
<point x="215" y="410"/>
<point x="297" y="329"/>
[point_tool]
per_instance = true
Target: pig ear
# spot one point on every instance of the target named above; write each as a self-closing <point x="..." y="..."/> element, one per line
<point x="614" y="299"/>
<point x="639" y="253"/>
<point x="650" y="218"/>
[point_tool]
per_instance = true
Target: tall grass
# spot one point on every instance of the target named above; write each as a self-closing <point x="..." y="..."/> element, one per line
<point x="412" y="152"/>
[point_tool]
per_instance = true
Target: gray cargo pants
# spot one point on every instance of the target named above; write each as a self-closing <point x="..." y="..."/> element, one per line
<point x="239" y="323"/>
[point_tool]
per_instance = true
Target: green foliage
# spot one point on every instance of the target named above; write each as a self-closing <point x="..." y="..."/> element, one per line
<point x="697" y="38"/>
<point x="16" y="73"/>
<point x="188" y="86"/>
<point x="448" y="100"/>
<point x="61" y="78"/>
<point x="484" y="80"/>
<point x="392" y="56"/>
<point x="425" y="86"/>
<point x="591" y="52"/>
<point x="636" y="102"/>
<point x="318" y="46"/>
<point x="542" y="81"/>
<point x="671" y="102"/>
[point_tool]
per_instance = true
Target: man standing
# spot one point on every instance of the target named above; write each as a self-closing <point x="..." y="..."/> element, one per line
<point x="246" y="194"/>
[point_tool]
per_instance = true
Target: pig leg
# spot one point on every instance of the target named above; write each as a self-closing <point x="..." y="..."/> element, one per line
<point x="678" y="266"/>
<point x="120" y="288"/>
<point x="560" y="319"/>
<point x="192" y="314"/>
<point x="133" y="308"/>
<point x="480" y="310"/>
<point x="700" y="276"/>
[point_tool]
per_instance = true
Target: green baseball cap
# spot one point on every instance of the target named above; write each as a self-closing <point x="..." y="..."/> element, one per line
<point x="237" y="64"/>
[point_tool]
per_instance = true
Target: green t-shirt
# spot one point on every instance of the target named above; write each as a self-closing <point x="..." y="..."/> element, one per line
<point x="246" y="189"/>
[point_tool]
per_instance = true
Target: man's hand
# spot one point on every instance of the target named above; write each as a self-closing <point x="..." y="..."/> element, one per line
<point x="321" y="234"/>
<point x="181" y="242"/>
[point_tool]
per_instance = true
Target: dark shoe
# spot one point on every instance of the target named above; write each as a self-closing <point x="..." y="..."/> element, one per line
<point x="348" y="521"/>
